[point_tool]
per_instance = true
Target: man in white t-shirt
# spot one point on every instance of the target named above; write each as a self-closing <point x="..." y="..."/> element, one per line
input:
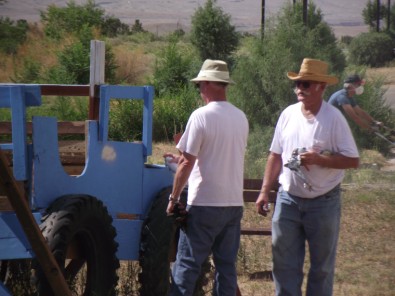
<point x="212" y="162"/>
<point x="311" y="147"/>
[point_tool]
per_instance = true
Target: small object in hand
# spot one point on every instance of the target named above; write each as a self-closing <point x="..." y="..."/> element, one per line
<point x="180" y="215"/>
<point x="170" y="164"/>
<point x="266" y="209"/>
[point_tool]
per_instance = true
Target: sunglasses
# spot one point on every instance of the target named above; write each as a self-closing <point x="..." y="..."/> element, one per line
<point x="304" y="84"/>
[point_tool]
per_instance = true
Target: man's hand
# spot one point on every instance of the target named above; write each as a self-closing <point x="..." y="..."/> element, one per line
<point x="172" y="158"/>
<point x="262" y="204"/>
<point x="178" y="212"/>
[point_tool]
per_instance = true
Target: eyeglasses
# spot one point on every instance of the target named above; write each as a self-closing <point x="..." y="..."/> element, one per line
<point x="305" y="84"/>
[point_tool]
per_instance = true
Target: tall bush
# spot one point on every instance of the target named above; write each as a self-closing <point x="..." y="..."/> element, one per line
<point x="59" y="21"/>
<point x="173" y="68"/>
<point x="212" y="32"/>
<point x="263" y="90"/>
<point x="371" y="49"/>
<point x="70" y="19"/>
<point x="11" y="34"/>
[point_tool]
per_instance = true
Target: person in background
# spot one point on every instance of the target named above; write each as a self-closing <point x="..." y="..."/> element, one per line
<point x="212" y="151"/>
<point x="344" y="100"/>
<point x="311" y="148"/>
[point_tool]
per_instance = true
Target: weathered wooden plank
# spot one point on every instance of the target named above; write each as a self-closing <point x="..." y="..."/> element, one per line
<point x="250" y="194"/>
<point x="64" y="128"/>
<point x="19" y="204"/>
<point x="256" y="231"/>
<point x="5" y="205"/>
<point x="64" y="90"/>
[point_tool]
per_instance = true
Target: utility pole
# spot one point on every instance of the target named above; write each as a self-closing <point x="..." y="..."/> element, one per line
<point x="378" y="16"/>
<point x="388" y="15"/>
<point x="305" y="12"/>
<point x="263" y="19"/>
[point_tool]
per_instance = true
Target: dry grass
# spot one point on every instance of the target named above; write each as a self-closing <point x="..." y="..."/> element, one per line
<point x="387" y="72"/>
<point x="366" y="250"/>
<point x="133" y="64"/>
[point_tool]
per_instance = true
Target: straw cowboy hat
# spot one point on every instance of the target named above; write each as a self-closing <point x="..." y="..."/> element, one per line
<point x="213" y="70"/>
<point x="313" y="70"/>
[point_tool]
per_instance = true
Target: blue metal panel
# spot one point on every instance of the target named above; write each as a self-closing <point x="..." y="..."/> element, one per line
<point x="3" y="290"/>
<point x="13" y="241"/>
<point x="17" y="97"/>
<point x="8" y="146"/>
<point x="146" y="93"/>
<point x="128" y="236"/>
<point x="156" y="178"/>
<point x="147" y="123"/>
<point x="113" y="171"/>
<point x="18" y="111"/>
<point x="32" y="94"/>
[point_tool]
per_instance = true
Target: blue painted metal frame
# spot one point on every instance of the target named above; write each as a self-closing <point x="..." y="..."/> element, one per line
<point x="115" y="172"/>
<point x="146" y="93"/>
<point x="17" y="97"/>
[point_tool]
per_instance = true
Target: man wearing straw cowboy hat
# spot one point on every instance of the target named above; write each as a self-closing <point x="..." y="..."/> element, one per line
<point x="312" y="138"/>
<point x="212" y="162"/>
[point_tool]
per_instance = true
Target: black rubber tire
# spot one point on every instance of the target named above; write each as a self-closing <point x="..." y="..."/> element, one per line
<point x="159" y="237"/>
<point x="80" y="234"/>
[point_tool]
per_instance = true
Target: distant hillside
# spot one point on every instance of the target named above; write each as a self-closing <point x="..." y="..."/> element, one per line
<point x="164" y="16"/>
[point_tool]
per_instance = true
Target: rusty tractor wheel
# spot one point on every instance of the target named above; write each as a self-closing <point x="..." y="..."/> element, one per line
<point x="80" y="234"/>
<point x="158" y="247"/>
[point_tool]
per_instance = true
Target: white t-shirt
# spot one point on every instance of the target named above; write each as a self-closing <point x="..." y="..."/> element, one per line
<point x="217" y="135"/>
<point x="329" y="130"/>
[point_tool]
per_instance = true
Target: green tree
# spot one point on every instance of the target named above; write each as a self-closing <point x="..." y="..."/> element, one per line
<point x="263" y="89"/>
<point x="73" y="18"/>
<point x="112" y="27"/>
<point x="173" y="68"/>
<point x="137" y="27"/>
<point x="74" y="62"/>
<point x="371" y="49"/>
<point x="391" y="20"/>
<point x="70" y="19"/>
<point x="370" y="12"/>
<point x="212" y="32"/>
<point x="11" y="34"/>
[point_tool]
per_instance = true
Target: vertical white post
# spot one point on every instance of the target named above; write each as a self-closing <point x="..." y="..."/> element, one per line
<point x="97" y="66"/>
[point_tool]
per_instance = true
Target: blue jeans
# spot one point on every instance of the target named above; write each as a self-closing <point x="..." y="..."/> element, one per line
<point x="295" y="221"/>
<point x="209" y="230"/>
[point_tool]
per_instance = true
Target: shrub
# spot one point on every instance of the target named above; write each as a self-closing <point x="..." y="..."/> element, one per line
<point x="172" y="110"/>
<point x="70" y="19"/>
<point x="371" y="49"/>
<point x="262" y="89"/>
<point x="212" y="32"/>
<point x="173" y="68"/>
<point x="11" y="34"/>
<point x="59" y="21"/>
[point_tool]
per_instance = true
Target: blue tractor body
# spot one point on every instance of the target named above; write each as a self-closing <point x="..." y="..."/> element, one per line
<point x="115" y="173"/>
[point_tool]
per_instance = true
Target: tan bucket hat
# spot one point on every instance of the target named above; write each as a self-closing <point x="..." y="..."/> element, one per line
<point x="313" y="70"/>
<point x="213" y="70"/>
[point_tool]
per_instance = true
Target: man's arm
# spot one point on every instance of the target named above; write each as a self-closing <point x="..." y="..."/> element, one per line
<point x="366" y="116"/>
<point x="352" y="113"/>
<point x="334" y="161"/>
<point x="184" y="169"/>
<point x="272" y="171"/>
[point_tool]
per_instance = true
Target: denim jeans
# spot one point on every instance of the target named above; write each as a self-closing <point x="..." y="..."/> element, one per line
<point x="209" y="230"/>
<point x="295" y="221"/>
